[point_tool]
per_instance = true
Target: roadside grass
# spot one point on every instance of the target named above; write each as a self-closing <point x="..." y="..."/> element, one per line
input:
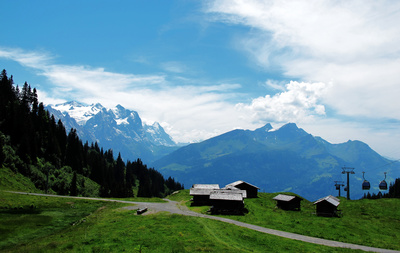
<point x="9" y="180"/>
<point x="27" y="217"/>
<point x="367" y="222"/>
<point x="180" y="196"/>
<point x="107" y="227"/>
<point x="184" y="198"/>
<point x="374" y="223"/>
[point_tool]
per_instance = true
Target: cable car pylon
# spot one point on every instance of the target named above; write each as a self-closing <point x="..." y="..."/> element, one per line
<point x="338" y="184"/>
<point x="348" y="171"/>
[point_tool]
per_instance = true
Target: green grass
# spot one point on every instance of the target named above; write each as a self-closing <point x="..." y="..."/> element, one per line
<point x="10" y="180"/>
<point x="27" y="217"/>
<point x="374" y="223"/>
<point x="58" y="225"/>
<point x="40" y="224"/>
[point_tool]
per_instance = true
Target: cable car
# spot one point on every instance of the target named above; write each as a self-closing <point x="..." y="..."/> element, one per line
<point x="365" y="185"/>
<point x="383" y="184"/>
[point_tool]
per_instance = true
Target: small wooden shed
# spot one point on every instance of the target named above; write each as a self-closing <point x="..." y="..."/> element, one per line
<point x="235" y="190"/>
<point x="251" y="190"/>
<point x="327" y="206"/>
<point x="287" y="202"/>
<point x="201" y="193"/>
<point x="227" y="202"/>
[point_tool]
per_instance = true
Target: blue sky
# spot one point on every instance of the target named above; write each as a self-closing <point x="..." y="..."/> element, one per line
<point x="202" y="68"/>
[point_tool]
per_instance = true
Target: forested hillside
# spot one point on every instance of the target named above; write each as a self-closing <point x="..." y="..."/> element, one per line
<point x="34" y="144"/>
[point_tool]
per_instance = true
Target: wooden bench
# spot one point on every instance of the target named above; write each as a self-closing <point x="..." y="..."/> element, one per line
<point x="142" y="210"/>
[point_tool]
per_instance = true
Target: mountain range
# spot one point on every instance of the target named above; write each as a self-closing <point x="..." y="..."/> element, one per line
<point x="119" y="129"/>
<point x="275" y="160"/>
<point x="278" y="160"/>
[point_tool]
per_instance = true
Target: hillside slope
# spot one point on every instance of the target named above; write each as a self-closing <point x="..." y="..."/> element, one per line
<point x="286" y="159"/>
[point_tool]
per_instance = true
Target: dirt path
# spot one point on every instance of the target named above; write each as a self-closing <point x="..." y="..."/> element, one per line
<point x="175" y="208"/>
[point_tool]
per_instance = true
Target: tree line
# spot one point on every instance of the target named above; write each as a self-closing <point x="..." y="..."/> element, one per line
<point x="34" y="144"/>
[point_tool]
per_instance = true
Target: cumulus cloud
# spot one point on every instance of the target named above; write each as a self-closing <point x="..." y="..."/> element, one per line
<point x="299" y="103"/>
<point x="355" y="45"/>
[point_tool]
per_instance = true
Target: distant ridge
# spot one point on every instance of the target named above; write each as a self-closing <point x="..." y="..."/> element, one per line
<point x="284" y="159"/>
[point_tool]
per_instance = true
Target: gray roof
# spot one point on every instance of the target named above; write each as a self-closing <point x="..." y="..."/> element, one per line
<point x="283" y="197"/>
<point x="330" y="199"/>
<point x="232" y="190"/>
<point x="203" y="189"/>
<point x="226" y="195"/>
<point x="206" y="186"/>
<point x="240" y="182"/>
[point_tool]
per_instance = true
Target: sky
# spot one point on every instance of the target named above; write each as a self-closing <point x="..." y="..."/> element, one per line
<point x="202" y="68"/>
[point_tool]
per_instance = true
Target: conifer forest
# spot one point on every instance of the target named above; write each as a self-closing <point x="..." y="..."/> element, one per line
<point x="34" y="144"/>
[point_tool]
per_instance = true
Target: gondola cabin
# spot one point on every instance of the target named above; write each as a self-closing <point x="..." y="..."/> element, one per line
<point x="287" y="202"/>
<point x="366" y="185"/>
<point x="383" y="185"/>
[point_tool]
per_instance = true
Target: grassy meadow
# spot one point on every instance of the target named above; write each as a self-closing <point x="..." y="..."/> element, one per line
<point x="31" y="223"/>
<point x="374" y="223"/>
<point x="45" y="224"/>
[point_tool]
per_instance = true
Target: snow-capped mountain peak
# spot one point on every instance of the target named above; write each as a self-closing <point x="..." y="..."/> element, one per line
<point x="117" y="128"/>
<point x="78" y="111"/>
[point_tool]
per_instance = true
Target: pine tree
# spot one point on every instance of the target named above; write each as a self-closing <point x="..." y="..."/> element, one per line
<point x="74" y="187"/>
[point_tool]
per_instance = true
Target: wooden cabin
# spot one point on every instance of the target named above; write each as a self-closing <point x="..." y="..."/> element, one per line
<point x="201" y="193"/>
<point x="226" y="201"/>
<point x="327" y="206"/>
<point x="287" y="202"/>
<point x="251" y="190"/>
<point x="235" y="190"/>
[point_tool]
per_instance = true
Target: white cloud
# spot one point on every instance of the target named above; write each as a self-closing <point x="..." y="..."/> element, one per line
<point x="355" y="45"/>
<point x="352" y="45"/>
<point x="299" y="103"/>
<point x="193" y="112"/>
<point x="276" y="85"/>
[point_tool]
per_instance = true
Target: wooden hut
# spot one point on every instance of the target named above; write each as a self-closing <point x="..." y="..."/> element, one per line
<point x="287" y="202"/>
<point x="201" y="193"/>
<point x="226" y="201"/>
<point x="327" y="206"/>
<point x="235" y="190"/>
<point x="251" y="190"/>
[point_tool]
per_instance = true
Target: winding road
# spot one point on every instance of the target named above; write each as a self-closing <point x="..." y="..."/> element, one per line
<point x="175" y="208"/>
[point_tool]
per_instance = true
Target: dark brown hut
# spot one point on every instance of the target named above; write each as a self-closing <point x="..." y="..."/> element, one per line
<point x="226" y="202"/>
<point x="287" y="202"/>
<point x="201" y="193"/>
<point x="327" y="206"/>
<point x="251" y="190"/>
